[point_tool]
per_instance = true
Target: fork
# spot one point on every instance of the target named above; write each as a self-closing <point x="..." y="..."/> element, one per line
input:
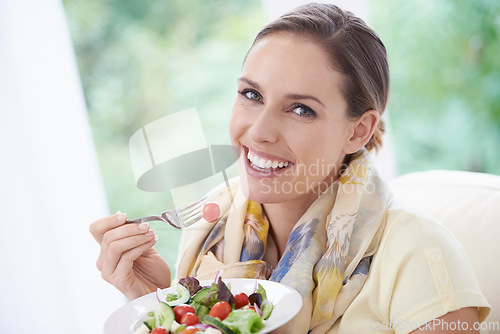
<point x="179" y="218"/>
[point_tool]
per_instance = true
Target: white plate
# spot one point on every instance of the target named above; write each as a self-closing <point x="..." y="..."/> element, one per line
<point x="286" y="300"/>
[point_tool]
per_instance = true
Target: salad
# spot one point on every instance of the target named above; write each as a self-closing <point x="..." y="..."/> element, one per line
<point x="207" y="309"/>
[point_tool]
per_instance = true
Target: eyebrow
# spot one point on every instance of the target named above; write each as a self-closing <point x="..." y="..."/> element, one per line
<point x="250" y="82"/>
<point x="304" y="97"/>
<point x="291" y="96"/>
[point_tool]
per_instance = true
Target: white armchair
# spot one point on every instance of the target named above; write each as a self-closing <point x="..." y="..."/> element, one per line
<point x="468" y="204"/>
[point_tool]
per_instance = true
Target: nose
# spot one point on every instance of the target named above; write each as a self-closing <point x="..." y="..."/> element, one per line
<point x="265" y="127"/>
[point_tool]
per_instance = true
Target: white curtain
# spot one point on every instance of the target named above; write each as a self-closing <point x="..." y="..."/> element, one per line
<point x="50" y="187"/>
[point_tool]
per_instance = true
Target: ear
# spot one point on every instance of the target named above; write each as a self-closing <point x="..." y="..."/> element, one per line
<point x="362" y="130"/>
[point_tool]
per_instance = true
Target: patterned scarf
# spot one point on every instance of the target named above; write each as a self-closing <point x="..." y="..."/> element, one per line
<point x="328" y="254"/>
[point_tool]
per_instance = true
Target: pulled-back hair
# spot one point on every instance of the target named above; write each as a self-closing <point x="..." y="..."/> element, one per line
<point x="354" y="50"/>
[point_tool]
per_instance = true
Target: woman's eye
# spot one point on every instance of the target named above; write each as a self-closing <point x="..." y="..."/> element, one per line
<point x="251" y="95"/>
<point x="303" y="111"/>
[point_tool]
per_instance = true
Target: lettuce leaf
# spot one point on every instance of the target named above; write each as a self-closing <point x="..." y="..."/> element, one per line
<point x="224" y="293"/>
<point x="262" y="291"/>
<point x="266" y="308"/>
<point x="211" y="298"/>
<point x="244" y="321"/>
<point x="191" y="283"/>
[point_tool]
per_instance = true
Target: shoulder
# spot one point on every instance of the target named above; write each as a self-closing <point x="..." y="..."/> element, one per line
<point x="410" y="231"/>
<point x="412" y="243"/>
<point x="420" y="270"/>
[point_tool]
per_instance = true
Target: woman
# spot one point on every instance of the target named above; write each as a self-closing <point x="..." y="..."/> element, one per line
<point x="309" y="210"/>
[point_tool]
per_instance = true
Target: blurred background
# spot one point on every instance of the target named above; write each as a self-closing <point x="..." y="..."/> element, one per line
<point x="79" y="77"/>
<point x="139" y="61"/>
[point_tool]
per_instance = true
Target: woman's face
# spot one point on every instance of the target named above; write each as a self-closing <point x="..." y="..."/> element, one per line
<point x="289" y="120"/>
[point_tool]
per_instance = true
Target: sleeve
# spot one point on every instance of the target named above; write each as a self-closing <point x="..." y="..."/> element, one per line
<point x="425" y="273"/>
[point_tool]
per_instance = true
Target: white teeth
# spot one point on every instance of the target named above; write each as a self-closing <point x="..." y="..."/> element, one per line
<point x="264" y="163"/>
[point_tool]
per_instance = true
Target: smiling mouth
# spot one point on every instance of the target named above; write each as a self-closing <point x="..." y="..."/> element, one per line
<point x="265" y="165"/>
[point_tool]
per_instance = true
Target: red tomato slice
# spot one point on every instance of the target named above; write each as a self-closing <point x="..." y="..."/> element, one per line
<point x="220" y="310"/>
<point x="182" y="309"/>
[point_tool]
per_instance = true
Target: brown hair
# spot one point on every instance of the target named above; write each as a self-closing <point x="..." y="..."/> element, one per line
<point x="355" y="50"/>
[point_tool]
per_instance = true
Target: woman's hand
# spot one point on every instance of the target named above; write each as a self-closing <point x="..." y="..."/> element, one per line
<point x="127" y="259"/>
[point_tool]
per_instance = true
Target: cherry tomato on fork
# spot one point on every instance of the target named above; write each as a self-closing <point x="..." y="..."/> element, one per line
<point x="211" y="212"/>
<point x="241" y="299"/>
<point x="220" y="310"/>
<point x="182" y="309"/>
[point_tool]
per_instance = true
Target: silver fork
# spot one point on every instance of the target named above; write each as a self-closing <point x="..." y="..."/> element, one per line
<point x="179" y="218"/>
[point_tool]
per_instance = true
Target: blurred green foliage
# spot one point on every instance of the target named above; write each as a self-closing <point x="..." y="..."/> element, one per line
<point x="141" y="60"/>
<point x="444" y="108"/>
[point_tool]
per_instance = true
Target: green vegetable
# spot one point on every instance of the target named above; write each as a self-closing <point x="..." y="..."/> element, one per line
<point x="211" y="298"/>
<point x="191" y="283"/>
<point x="198" y="303"/>
<point x="240" y="321"/>
<point x="180" y="329"/>
<point x="266" y="308"/>
<point x="224" y="292"/>
<point x="162" y="316"/>
<point x="201" y="295"/>
<point x="244" y="321"/>
<point x="181" y="297"/>
<point x="266" y="305"/>
<point x="262" y="291"/>
<point x="150" y="322"/>
<point x="200" y="310"/>
<point x="218" y="324"/>
<point x="215" y="293"/>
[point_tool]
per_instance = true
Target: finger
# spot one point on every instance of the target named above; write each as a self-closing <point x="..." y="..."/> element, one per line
<point x="118" y="247"/>
<point x="101" y="226"/>
<point x="120" y="232"/>
<point x="126" y="263"/>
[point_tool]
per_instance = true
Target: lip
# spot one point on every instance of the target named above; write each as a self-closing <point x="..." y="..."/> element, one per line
<point x="261" y="175"/>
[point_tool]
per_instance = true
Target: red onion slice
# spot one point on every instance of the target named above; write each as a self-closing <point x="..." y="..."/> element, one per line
<point x="161" y="296"/>
<point x="257" y="308"/>
<point x="219" y="273"/>
<point x="203" y="327"/>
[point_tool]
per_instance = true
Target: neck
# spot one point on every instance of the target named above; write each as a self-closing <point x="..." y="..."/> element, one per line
<point x="282" y="218"/>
